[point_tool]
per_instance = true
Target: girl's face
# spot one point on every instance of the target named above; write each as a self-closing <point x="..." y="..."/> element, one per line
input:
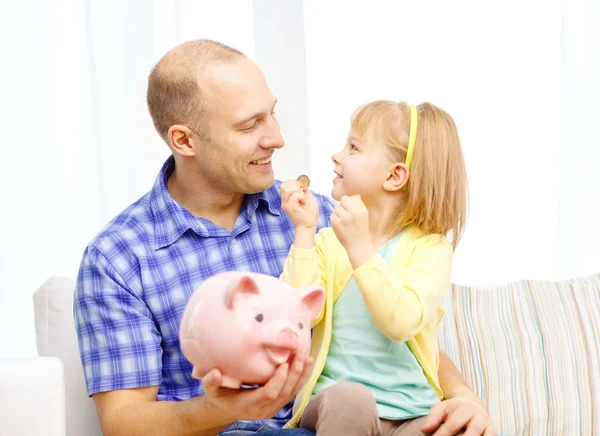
<point x="360" y="169"/>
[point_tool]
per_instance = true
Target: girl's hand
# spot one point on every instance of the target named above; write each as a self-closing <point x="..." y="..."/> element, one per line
<point x="299" y="204"/>
<point x="350" y="222"/>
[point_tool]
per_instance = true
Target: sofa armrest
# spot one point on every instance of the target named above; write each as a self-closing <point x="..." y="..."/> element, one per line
<point x="32" y="397"/>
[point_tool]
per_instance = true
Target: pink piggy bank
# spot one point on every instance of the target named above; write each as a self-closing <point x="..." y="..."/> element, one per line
<point x="247" y="324"/>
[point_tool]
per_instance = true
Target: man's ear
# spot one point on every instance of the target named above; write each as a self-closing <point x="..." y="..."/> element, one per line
<point x="396" y="177"/>
<point x="182" y="140"/>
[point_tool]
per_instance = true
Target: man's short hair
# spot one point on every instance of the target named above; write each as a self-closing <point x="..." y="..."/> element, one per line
<point x="174" y="95"/>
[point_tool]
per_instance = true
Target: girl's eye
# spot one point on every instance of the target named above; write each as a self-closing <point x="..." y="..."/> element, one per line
<point x="353" y="147"/>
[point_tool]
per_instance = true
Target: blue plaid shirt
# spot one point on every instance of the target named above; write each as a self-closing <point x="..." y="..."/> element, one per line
<point x="139" y="271"/>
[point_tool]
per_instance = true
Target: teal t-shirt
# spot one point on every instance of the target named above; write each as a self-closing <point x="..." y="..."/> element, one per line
<point x="360" y="353"/>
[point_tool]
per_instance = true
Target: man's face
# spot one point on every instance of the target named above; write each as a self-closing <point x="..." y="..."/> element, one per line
<point x="243" y="130"/>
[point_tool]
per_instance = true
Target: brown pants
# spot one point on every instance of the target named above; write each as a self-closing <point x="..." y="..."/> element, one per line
<point x="349" y="409"/>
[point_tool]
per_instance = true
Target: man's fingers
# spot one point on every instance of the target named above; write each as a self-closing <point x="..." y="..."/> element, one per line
<point x="294" y="374"/>
<point x="455" y="422"/>
<point x="211" y="382"/>
<point x="436" y="416"/>
<point x="306" y="371"/>
<point x="272" y="389"/>
<point x="477" y="426"/>
<point x="490" y="431"/>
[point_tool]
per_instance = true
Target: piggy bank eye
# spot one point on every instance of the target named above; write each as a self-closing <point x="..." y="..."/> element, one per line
<point x="300" y="325"/>
<point x="259" y="317"/>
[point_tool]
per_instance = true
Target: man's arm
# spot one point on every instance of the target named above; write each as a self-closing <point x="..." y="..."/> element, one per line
<point x="461" y="409"/>
<point x="115" y="328"/>
<point x="134" y="412"/>
<point x="453" y="383"/>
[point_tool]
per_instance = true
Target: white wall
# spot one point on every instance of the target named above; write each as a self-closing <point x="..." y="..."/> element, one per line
<point x="281" y="53"/>
<point x="579" y="243"/>
<point x="78" y="144"/>
<point x="496" y="67"/>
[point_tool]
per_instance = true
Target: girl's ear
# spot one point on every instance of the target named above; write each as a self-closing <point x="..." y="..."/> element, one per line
<point x="396" y="177"/>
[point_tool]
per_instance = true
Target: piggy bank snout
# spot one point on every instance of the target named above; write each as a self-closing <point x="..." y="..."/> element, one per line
<point x="287" y="338"/>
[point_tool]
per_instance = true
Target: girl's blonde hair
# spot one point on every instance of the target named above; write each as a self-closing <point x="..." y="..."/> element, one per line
<point x="436" y="197"/>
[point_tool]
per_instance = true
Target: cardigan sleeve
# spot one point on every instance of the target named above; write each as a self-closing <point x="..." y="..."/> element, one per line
<point x="402" y="299"/>
<point x="305" y="267"/>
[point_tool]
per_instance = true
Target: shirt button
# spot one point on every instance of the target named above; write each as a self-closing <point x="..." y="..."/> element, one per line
<point x="233" y="241"/>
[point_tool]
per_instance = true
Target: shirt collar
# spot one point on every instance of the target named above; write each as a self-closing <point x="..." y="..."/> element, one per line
<point x="171" y="220"/>
<point x="270" y="198"/>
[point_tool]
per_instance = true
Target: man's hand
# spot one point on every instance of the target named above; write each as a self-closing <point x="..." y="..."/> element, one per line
<point x="134" y="412"/>
<point x="299" y="204"/>
<point x="261" y="403"/>
<point x="450" y="417"/>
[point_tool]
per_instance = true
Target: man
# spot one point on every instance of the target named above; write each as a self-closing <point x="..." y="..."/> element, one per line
<point x="214" y="207"/>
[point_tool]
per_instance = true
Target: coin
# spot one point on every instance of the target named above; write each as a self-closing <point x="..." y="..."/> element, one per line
<point x="304" y="181"/>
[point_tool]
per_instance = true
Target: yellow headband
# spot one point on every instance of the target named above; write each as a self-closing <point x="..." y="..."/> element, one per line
<point x="412" y="138"/>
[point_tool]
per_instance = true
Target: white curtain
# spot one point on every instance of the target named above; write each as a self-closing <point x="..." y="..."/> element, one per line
<point x="78" y="145"/>
<point x="519" y="78"/>
<point x="579" y="238"/>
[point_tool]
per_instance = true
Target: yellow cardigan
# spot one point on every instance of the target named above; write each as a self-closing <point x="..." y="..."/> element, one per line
<point x="403" y="297"/>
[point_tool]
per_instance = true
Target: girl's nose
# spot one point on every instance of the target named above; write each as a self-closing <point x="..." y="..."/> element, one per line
<point x="335" y="159"/>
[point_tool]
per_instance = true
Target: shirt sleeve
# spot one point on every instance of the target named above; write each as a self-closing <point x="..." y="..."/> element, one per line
<point x="119" y="343"/>
<point x="403" y="300"/>
<point x="326" y="207"/>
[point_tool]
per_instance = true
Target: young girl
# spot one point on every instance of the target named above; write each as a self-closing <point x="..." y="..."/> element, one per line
<point x="385" y="264"/>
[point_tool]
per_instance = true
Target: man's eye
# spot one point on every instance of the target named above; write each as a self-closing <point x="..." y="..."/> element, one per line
<point x="251" y="128"/>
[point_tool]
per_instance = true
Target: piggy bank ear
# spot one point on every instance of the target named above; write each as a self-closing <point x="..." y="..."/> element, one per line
<point x="239" y="289"/>
<point x="313" y="297"/>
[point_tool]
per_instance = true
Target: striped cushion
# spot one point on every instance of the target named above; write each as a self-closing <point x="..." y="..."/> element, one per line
<point x="531" y="351"/>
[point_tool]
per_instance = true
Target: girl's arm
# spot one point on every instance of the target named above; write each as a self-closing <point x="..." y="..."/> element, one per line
<point x="403" y="299"/>
<point x="305" y="264"/>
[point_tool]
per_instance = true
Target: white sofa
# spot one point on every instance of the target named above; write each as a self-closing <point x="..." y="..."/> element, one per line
<point x="39" y="410"/>
<point x="55" y="336"/>
<point x="529" y="349"/>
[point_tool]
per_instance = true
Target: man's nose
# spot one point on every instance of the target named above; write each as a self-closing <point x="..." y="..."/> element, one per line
<point x="272" y="138"/>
